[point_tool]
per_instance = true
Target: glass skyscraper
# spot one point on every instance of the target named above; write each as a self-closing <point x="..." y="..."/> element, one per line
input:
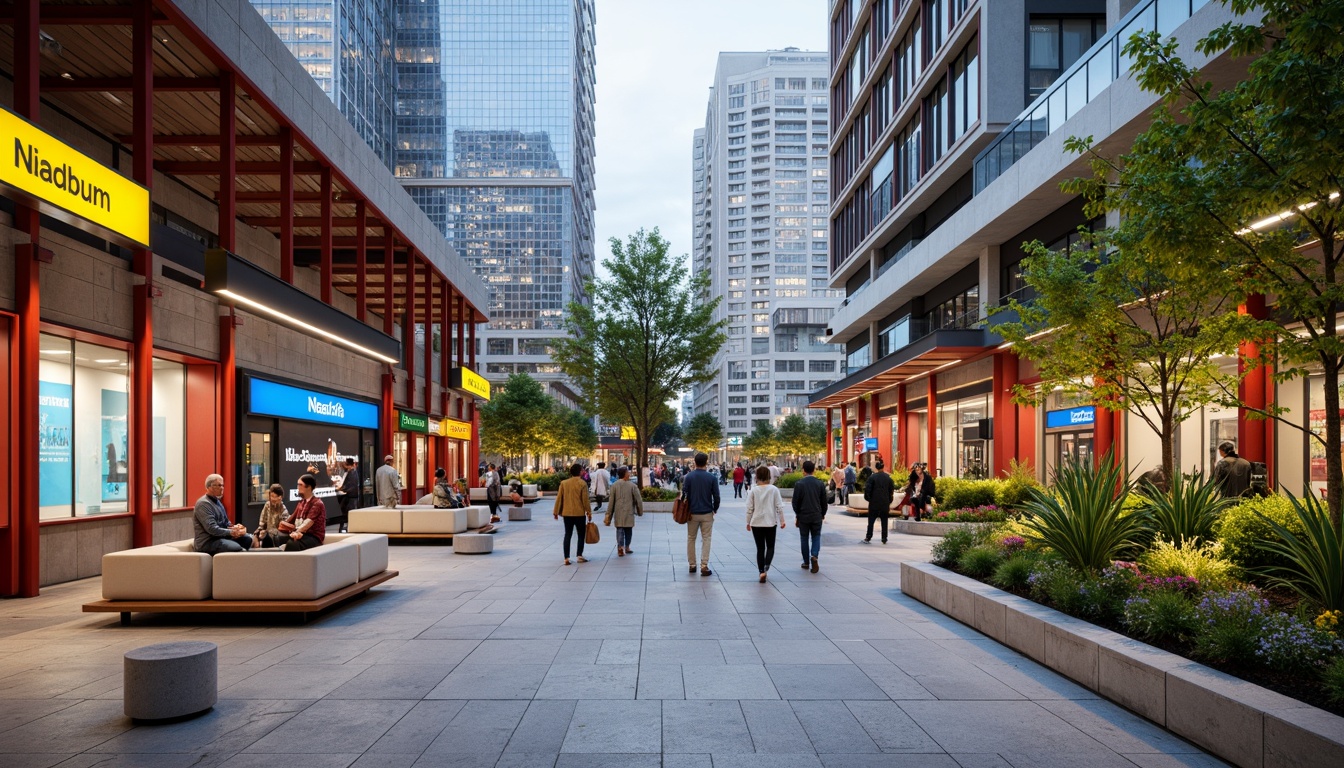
<point x="346" y="45"/>
<point x="495" y="142"/>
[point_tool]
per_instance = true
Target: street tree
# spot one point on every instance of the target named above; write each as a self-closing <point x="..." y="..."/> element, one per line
<point x="703" y="432"/>
<point x="1255" y="168"/>
<point x="648" y="335"/>
<point x="798" y="437"/>
<point x="666" y="435"/>
<point x="569" y="432"/>
<point x="762" y="442"/>
<point x="516" y="421"/>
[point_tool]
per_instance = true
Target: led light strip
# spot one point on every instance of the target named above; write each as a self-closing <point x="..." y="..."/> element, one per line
<point x="304" y="326"/>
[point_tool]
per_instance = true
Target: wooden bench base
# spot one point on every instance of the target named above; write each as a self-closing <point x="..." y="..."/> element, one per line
<point x="305" y="607"/>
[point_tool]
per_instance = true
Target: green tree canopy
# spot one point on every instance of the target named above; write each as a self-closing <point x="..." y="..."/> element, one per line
<point x="569" y="432"/>
<point x="648" y="335"/>
<point x="762" y="442"/>
<point x="517" y="420"/>
<point x="704" y="432"/>
<point x="1252" y="170"/>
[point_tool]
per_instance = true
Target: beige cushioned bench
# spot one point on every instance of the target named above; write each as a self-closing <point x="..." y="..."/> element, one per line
<point x="172" y="571"/>
<point x="413" y="520"/>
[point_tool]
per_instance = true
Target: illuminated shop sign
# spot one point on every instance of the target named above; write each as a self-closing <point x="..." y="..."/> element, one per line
<point x="457" y="430"/>
<point x="1084" y="416"/>
<point x="468" y="382"/>
<point x="69" y="185"/>
<point x="412" y="422"/>
<point x="273" y="399"/>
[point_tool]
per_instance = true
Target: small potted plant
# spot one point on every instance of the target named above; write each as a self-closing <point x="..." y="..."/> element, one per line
<point x="161" y="489"/>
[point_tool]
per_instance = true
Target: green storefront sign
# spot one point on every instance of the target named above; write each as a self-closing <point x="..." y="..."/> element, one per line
<point x="412" y="422"/>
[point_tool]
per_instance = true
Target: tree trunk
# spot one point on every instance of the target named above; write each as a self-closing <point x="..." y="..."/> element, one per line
<point x="1169" y="467"/>
<point x="1334" y="469"/>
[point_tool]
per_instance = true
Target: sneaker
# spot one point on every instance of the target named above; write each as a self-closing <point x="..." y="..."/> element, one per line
<point x="805" y="565"/>
<point x="867" y="541"/>
<point x="706" y="572"/>
<point x="692" y="569"/>
<point x="814" y="565"/>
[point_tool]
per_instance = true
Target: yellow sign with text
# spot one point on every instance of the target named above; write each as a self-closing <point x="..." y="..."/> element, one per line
<point x="49" y="172"/>
<point x="628" y="433"/>
<point x="468" y="382"/>
<point x="457" y="430"/>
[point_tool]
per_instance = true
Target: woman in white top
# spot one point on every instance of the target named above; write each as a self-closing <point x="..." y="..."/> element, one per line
<point x="765" y="513"/>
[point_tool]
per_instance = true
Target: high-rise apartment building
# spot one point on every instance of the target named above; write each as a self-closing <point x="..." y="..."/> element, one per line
<point x="761" y="196"/>
<point x="949" y="119"/>
<point x="495" y="139"/>
<point x="346" y="45"/>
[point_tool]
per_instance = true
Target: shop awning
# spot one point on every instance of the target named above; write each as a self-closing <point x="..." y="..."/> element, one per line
<point x="940" y="349"/>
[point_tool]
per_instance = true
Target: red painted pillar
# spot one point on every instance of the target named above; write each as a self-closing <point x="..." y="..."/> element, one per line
<point x="830" y="440"/>
<point x="141" y="480"/>
<point x="471" y="405"/>
<point x="228" y="402"/>
<point x="287" y="204"/>
<point x="902" y="432"/>
<point x="429" y="342"/>
<point x="389" y="281"/>
<point x="1103" y="434"/>
<point x="445" y="345"/>
<point x="24" y="530"/>
<point x="408" y="491"/>
<point x="843" y="458"/>
<point x="462" y="331"/>
<point x="387" y="424"/>
<point x="408" y="330"/>
<point x="932" y="456"/>
<point x="361" y="262"/>
<point x="1005" y="411"/>
<point x="1253" y="390"/>
<point x="228" y="159"/>
<point x="328" y="242"/>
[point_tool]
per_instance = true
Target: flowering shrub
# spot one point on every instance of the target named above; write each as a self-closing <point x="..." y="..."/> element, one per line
<point x="1189" y="558"/>
<point x="1014" y="572"/>
<point x="1329" y="621"/>
<point x="1096" y="597"/>
<point x="649" y="493"/>
<point x="1229" y="625"/>
<point x="956" y="541"/>
<point x="1181" y="584"/>
<point x="1160" y="615"/>
<point x="982" y="514"/>
<point x="1011" y="545"/>
<point x="1290" y="644"/>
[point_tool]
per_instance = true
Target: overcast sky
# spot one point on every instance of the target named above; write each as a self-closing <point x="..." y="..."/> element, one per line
<point x="655" y="63"/>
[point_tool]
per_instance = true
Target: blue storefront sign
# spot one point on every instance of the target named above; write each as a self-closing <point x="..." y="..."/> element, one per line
<point x="1084" y="416"/>
<point x="869" y="444"/>
<point x="272" y="399"/>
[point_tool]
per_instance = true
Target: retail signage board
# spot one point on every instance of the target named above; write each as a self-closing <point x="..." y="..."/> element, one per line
<point x="68" y="184"/>
<point x="869" y="444"/>
<point x="1084" y="416"/>
<point x="457" y="430"/>
<point x="412" y="422"/>
<point x="627" y="433"/>
<point x="468" y="382"/>
<point x="270" y="398"/>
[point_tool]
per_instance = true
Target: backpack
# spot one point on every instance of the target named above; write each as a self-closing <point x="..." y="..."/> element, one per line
<point x="1259" y="479"/>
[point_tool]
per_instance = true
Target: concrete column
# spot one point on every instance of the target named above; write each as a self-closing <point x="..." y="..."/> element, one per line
<point x="990" y="288"/>
<point x="1116" y="10"/>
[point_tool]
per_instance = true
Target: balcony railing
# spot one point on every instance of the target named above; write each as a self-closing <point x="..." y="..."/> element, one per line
<point x="1102" y="65"/>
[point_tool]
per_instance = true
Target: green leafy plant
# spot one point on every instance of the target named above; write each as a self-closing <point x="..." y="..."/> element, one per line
<point x="979" y="561"/>
<point x="649" y="493"/>
<point x="968" y="494"/>
<point x="1014" y="572"/>
<point x="1203" y="562"/>
<point x="1332" y="679"/>
<point x="1093" y="596"/>
<point x="1015" y="488"/>
<point x="1160" y="615"/>
<point x="161" y="488"/>
<point x="1082" y="516"/>
<point x="956" y="541"/>
<point x="788" y="480"/>
<point x="1246" y="527"/>
<point x="1188" y="510"/>
<point x="1229" y="626"/>
<point x="1314" y="558"/>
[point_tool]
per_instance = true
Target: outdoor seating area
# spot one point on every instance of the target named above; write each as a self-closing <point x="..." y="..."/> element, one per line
<point x="417" y="521"/>
<point x="174" y="578"/>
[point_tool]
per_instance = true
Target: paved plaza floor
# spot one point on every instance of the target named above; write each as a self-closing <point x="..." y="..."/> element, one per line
<point x="513" y="659"/>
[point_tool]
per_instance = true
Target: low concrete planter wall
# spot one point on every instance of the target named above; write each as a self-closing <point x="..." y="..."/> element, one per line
<point x="912" y="527"/>
<point x="1238" y="721"/>
<point x="658" y="506"/>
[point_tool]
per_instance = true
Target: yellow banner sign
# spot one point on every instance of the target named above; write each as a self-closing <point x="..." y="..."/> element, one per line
<point x="627" y="433"/>
<point x="468" y="382"/>
<point x="69" y="185"/>
<point x="457" y="430"/>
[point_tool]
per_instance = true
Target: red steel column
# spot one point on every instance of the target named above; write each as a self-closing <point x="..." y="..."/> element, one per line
<point x="386" y="423"/>
<point x="408" y="330"/>
<point x="902" y="431"/>
<point x="429" y="341"/>
<point x="228" y="373"/>
<point x="830" y="440"/>
<point x="141" y="480"/>
<point x="1103" y="434"/>
<point x="328" y="242"/>
<point x="932" y="457"/>
<point x="1253" y="390"/>
<point x="287" y="205"/>
<point x="228" y="158"/>
<point x="445" y="346"/>
<point x="28" y="298"/>
<point x="1005" y="411"/>
<point x="472" y="413"/>
<point x="389" y="282"/>
<point x="361" y="261"/>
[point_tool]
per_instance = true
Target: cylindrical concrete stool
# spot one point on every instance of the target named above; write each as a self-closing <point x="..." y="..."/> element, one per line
<point x="473" y="544"/>
<point x="170" y="680"/>
<point x="520" y="513"/>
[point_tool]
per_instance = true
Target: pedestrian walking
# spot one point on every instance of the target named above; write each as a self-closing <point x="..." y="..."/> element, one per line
<point x="494" y="488"/>
<point x="765" y="515"/>
<point x="739" y="479"/>
<point x="809" y="512"/>
<point x="851" y="479"/>
<point x="571" y="503"/>
<point x="626" y="504"/>
<point x="879" y="492"/>
<point x="1232" y="473"/>
<point x="600" y="481"/>
<point x="702" y="494"/>
<point x="838" y="482"/>
<point x="387" y="482"/>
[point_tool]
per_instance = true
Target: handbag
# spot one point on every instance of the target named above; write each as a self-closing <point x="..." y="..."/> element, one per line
<point x="681" y="511"/>
<point x="591" y="534"/>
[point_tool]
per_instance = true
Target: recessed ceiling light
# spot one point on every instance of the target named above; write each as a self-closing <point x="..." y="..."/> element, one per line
<point x="107" y="360"/>
<point x="67" y="76"/>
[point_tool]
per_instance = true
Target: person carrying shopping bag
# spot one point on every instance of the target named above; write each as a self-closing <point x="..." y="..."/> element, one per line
<point x="623" y="504"/>
<point x="765" y="514"/>
<point x="572" y="503"/>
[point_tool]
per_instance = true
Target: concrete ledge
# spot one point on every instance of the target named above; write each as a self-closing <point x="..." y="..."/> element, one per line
<point x="899" y="524"/>
<point x="1240" y="722"/>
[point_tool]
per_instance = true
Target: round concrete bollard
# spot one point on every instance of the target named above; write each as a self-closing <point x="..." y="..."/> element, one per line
<point x="170" y="680"/>
<point x="520" y="513"/>
<point x="473" y="544"/>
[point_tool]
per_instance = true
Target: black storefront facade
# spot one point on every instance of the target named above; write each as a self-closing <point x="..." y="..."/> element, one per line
<point x="288" y="428"/>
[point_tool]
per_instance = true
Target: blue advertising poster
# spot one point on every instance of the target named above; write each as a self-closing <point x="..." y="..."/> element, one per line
<point x="55" y="444"/>
<point x="1085" y="416"/>
<point x="114" y="448"/>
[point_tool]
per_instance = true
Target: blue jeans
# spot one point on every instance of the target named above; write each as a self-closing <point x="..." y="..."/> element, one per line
<point x="813" y="531"/>
<point x="218" y="546"/>
<point x="623" y="536"/>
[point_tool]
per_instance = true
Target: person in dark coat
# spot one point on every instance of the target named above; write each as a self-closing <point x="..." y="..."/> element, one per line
<point x="922" y="490"/>
<point x="348" y="492"/>
<point x="809" y="510"/>
<point x="879" y="492"/>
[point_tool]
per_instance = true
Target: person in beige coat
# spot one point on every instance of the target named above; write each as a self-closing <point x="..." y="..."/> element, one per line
<point x="624" y="503"/>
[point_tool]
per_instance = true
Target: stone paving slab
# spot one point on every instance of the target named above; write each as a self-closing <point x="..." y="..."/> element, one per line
<point x="515" y="660"/>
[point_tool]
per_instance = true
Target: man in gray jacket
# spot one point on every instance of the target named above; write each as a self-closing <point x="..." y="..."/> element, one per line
<point x="809" y="509"/>
<point x="211" y="522"/>
<point x="387" y="483"/>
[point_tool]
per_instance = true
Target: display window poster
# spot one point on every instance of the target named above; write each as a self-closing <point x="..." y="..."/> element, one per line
<point x="323" y="447"/>
<point x="55" y="443"/>
<point x="114" y="447"/>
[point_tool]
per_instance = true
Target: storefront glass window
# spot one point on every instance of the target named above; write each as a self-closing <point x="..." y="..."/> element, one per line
<point x="169" y="440"/>
<point x="259" y="471"/>
<point x="399" y="448"/>
<point x="962" y="451"/>
<point x="1315" y="448"/>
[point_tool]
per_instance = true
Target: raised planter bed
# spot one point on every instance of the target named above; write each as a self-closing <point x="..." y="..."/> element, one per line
<point x="658" y="506"/>
<point x="913" y="527"/>
<point x="1241" y="722"/>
